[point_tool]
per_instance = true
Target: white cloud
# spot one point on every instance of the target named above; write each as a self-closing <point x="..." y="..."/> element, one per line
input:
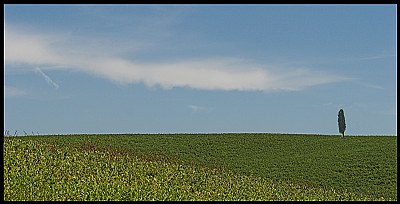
<point x="34" y="49"/>
<point x="47" y="78"/>
<point x="207" y="74"/>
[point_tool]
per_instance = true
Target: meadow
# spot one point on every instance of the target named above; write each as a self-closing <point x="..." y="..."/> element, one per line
<point x="200" y="167"/>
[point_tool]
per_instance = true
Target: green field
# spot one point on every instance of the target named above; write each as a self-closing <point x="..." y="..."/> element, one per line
<point x="200" y="167"/>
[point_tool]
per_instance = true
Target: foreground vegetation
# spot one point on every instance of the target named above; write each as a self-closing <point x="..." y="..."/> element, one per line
<point x="200" y="167"/>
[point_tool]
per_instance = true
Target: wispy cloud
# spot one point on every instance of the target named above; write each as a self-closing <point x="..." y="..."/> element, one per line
<point x="12" y="92"/>
<point x="366" y="58"/>
<point x="373" y="86"/>
<point x="39" y="49"/>
<point x="389" y="112"/>
<point x="378" y="56"/>
<point x="47" y="78"/>
<point x="367" y="84"/>
<point x="195" y="108"/>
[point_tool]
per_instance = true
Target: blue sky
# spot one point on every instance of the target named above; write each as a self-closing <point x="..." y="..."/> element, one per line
<point x="200" y="68"/>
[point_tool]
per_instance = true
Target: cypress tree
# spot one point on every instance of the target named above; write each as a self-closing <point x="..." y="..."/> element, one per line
<point x="341" y="122"/>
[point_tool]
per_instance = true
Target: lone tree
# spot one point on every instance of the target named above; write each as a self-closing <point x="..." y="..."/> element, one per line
<point x="341" y="122"/>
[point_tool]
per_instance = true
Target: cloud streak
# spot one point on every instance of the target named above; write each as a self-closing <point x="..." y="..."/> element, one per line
<point x="39" y="49"/>
<point x="47" y="78"/>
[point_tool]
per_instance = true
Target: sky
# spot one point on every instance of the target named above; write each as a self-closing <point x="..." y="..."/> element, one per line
<point x="71" y="69"/>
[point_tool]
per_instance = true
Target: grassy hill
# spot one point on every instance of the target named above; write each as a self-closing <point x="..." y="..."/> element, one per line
<point x="200" y="167"/>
